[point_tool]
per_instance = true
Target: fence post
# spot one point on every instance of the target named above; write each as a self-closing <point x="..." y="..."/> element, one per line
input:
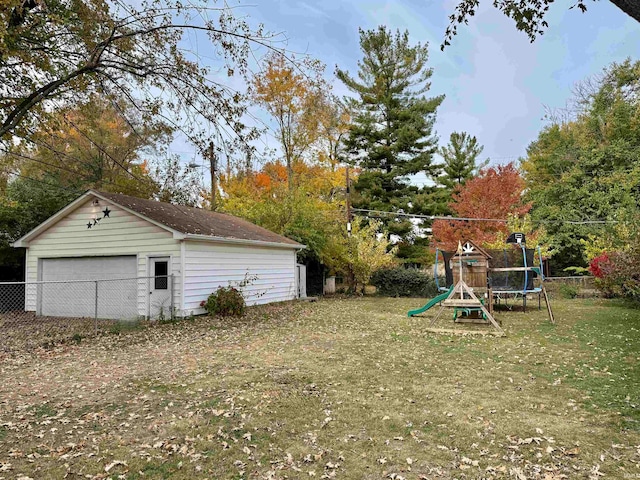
<point x="95" y="316"/>
<point x="172" y="294"/>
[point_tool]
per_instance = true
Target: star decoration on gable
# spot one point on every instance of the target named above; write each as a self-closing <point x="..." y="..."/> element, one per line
<point x="468" y="248"/>
<point x="94" y="222"/>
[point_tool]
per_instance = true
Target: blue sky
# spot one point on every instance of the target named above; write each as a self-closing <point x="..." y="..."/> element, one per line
<point x="496" y="82"/>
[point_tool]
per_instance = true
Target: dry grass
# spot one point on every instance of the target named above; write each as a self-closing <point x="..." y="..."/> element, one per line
<point x="346" y="388"/>
<point x="22" y="330"/>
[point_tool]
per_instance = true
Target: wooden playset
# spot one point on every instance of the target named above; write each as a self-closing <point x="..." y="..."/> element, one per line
<point x="480" y="278"/>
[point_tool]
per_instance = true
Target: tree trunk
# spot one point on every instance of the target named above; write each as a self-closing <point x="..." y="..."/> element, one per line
<point x="353" y="283"/>
<point x="630" y="7"/>
<point x="290" y="175"/>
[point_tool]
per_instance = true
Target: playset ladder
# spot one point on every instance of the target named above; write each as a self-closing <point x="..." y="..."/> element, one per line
<point x="456" y="299"/>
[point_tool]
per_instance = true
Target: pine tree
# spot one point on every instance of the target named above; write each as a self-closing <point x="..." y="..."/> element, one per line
<point x="391" y="136"/>
<point x="460" y="159"/>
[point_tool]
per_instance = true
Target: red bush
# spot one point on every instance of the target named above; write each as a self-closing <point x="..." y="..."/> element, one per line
<point x="600" y="265"/>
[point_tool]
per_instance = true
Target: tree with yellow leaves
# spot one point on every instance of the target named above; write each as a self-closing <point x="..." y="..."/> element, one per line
<point x="359" y="254"/>
<point x="295" y="96"/>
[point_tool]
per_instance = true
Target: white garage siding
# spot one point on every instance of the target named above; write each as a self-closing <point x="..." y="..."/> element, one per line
<point x="209" y="266"/>
<point x="117" y="299"/>
<point x="122" y="233"/>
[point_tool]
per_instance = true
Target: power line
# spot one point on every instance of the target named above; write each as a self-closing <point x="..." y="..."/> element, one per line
<point x="470" y="219"/>
<point x="101" y="181"/>
<point x="429" y="217"/>
<point x="41" y="182"/>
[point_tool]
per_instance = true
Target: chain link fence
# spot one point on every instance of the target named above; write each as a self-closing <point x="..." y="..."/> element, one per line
<point x="36" y="314"/>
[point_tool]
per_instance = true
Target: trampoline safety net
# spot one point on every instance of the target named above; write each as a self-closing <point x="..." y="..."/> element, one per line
<point x="510" y="258"/>
<point x="513" y="281"/>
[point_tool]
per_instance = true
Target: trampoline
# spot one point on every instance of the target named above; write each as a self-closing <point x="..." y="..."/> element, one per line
<point x="513" y="273"/>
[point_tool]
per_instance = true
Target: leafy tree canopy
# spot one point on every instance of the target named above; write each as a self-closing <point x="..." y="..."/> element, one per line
<point x="93" y="145"/>
<point x="496" y="194"/>
<point x="309" y="214"/>
<point x="295" y="98"/>
<point x="358" y="255"/>
<point x="587" y="167"/>
<point x="53" y="53"/>
<point x="460" y="159"/>
<point x="529" y="15"/>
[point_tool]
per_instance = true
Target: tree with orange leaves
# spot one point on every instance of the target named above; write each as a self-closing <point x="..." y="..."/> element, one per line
<point x="311" y="213"/>
<point x="294" y="98"/>
<point x="495" y="194"/>
<point x="271" y="183"/>
<point x="93" y="145"/>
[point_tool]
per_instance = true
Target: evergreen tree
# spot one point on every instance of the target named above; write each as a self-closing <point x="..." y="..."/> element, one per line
<point x="391" y="136"/>
<point x="460" y="159"/>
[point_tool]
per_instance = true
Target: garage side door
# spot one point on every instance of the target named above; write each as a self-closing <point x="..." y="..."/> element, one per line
<point x="75" y="295"/>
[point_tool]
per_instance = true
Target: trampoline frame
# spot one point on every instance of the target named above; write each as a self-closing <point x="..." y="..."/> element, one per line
<point x="498" y="293"/>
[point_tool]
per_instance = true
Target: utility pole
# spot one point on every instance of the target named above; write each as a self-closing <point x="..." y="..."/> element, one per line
<point x="348" y="203"/>
<point x="212" y="164"/>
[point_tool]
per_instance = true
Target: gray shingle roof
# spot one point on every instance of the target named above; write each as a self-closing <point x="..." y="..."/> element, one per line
<point x="197" y="221"/>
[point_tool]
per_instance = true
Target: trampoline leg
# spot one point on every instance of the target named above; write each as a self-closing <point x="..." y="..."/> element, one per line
<point x="524" y="302"/>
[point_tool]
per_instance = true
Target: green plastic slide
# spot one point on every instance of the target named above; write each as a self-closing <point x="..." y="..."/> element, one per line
<point x="430" y="304"/>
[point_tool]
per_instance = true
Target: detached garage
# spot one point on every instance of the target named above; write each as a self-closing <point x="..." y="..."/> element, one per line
<point x="116" y="256"/>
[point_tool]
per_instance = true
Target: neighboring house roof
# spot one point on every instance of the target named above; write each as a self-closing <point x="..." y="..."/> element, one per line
<point x="184" y="222"/>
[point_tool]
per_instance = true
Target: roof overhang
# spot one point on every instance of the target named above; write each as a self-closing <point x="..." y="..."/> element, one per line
<point x="23" y="242"/>
<point x="241" y="241"/>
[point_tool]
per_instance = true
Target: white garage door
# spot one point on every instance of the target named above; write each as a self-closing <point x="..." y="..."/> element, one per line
<point x="74" y="294"/>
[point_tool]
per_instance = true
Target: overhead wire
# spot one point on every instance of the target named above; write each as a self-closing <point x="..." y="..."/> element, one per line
<point x="99" y="147"/>
<point x="472" y="219"/>
<point x="60" y="167"/>
<point x="41" y="182"/>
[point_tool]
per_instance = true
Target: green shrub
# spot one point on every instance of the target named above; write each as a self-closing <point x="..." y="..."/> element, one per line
<point x="403" y="282"/>
<point x="577" y="270"/>
<point x="226" y="301"/>
<point x="568" y="291"/>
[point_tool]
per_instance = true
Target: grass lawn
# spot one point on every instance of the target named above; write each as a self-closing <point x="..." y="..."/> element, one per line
<point x="337" y="389"/>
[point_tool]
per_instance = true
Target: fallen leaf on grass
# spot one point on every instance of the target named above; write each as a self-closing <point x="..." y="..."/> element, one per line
<point x="114" y="464"/>
<point x="572" y="452"/>
<point x="515" y="471"/>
